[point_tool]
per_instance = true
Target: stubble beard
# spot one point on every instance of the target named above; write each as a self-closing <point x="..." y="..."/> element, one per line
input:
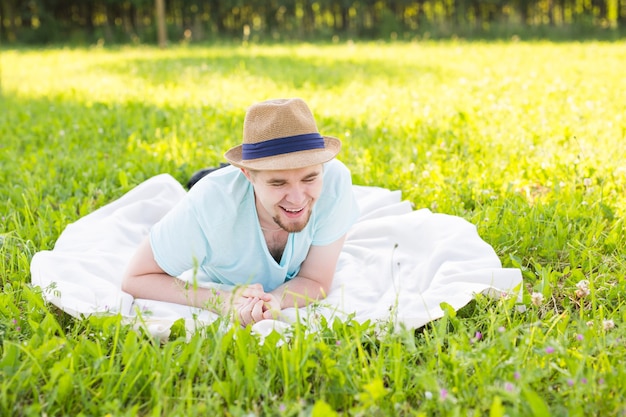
<point x="293" y="227"/>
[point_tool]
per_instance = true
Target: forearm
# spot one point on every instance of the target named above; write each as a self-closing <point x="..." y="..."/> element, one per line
<point x="163" y="287"/>
<point x="299" y="292"/>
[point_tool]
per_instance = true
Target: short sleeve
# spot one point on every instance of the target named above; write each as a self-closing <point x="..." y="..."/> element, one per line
<point x="178" y="242"/>
<point x="337" y="209"/>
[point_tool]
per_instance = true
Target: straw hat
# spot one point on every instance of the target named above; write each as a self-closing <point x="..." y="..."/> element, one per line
<point x="281" y="134"/>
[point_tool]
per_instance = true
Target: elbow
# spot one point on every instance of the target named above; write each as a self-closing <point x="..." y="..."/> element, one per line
<point x="324" y="290"/>
<point x="317" y="290"/>
<point x="127" y="284"/>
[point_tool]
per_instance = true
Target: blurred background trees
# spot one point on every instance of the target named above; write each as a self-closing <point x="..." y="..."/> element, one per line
<point x="136" y="21"/>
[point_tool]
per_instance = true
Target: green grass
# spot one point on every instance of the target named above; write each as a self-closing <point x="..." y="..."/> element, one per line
<point x="525" y="140"/>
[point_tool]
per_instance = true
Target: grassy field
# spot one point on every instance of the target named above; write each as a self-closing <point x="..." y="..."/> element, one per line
<point x="525" y="140"/>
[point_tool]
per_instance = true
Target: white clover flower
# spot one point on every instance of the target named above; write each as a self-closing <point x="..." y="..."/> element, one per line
<point x="582" y="288"/>
<point x="608" y="324"/>
<point x="537" y="298"/>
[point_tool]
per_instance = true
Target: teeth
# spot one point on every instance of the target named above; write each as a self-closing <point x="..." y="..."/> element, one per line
<point x="292" y="211"/>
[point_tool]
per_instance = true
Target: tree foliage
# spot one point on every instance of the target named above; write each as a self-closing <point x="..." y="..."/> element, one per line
<point x="113" y="21"/>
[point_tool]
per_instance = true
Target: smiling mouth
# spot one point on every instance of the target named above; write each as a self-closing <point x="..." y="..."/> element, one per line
<point x="293" y="211"/>
<point x="293" y="220"/>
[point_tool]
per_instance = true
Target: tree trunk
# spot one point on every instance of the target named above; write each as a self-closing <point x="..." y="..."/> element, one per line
<point x="87" y="10"/>
<point x="110" y="19"/>
<point x="345" y="17"/>
<point x="478" y="14"/>
<point x="160" y="22"/>
<point x="307" y="26"/>
<point x="197" y="27"/>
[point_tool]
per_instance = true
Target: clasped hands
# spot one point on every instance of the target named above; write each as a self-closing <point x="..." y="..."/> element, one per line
<point x="250" y="304"/>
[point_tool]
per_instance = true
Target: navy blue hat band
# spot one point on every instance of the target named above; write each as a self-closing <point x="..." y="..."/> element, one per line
<point x="281" y="146"/>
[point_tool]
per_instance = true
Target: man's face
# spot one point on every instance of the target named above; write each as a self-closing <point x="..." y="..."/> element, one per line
<point x="286" y="197"/>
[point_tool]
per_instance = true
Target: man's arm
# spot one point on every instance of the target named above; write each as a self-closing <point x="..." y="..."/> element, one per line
<point x="144" y="278"/>
<point x="314" y="279"/>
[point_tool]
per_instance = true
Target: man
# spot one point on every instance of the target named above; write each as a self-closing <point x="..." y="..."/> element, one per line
<point x="269" y="228"/>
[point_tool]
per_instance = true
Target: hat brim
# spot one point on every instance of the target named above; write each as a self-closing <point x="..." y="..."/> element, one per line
<point x="292" y="160"/>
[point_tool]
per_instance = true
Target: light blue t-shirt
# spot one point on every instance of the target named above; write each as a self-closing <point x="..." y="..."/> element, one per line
<point x="215" y="230"/>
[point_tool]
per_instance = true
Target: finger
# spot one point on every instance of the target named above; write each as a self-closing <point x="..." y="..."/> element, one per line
<point x="245" y="311"/>
<point x="267" y="305"/>
<point x="239" y="302"/>
<point x="266" y="296"/>
<point x="256" y="292"/>
<point x="257" y="311"/>
<point x="271" y="314"/>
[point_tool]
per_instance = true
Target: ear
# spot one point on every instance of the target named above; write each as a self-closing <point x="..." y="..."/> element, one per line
<point x="247" y="174"/>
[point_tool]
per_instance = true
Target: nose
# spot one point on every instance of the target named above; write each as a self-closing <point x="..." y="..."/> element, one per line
<point x="296" y="195"/>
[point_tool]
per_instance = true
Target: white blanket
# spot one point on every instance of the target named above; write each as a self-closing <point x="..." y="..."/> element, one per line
<point x="397" y="264"/>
